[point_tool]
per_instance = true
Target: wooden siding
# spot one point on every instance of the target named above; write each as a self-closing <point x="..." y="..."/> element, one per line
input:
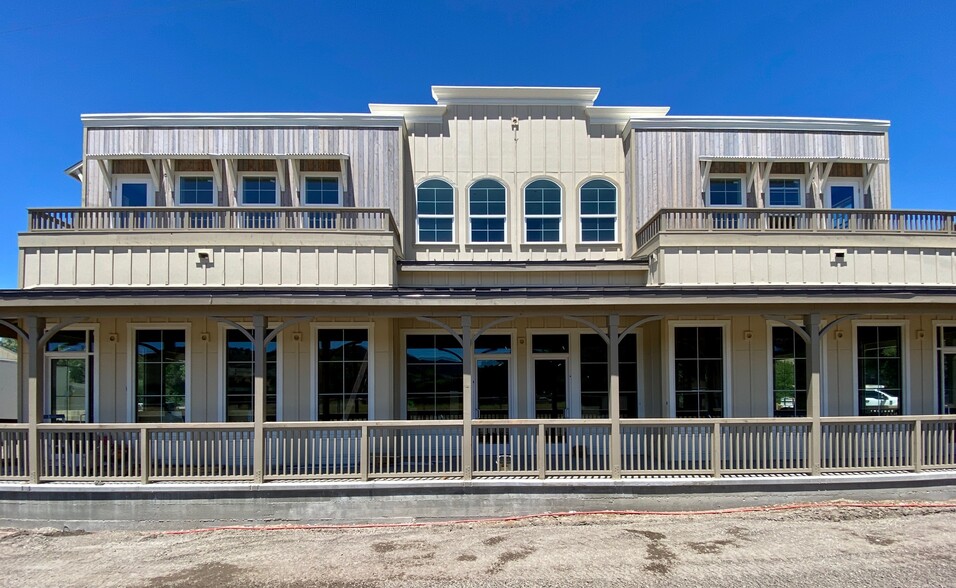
<point x="664" y="168"/>
<point x="476" y="142"/>
<point x="508" y="279"/>
<point x="371" y="178"/>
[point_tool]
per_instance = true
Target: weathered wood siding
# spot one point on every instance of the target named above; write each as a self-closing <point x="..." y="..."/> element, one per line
<point x="477" y="142"/>
<point x="663" y="166"/>
<point x="371" y="174"/>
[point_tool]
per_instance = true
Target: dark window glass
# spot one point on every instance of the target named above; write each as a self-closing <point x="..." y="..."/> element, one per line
<point x="699" y="371"/>
<point x="240" y="382"/>
<point x="726" y="192"/>
<point x="259" y="190"/>
<point x="879" y="370"/>
<point x="321" y="191"/>
<point x="433" y="377"/>
<point x="598" y="211"/>
<point x="549" y="344"/>
<point x="789" y="373"/>
<point x="542" y="212"/>
<point x="493" y="344"/>
<point x="70" y="341"/>
<point x="343" y="393"/>
<point x="196" y="190"/>
<point x="134" y="194"/>
<point x="946" y="366"/>
<point x="435" y="206"/>
<point x="160" y="376"/>
<point x="784" y="192"/>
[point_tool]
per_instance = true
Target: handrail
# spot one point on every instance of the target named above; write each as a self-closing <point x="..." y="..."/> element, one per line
<point x="801" y="220"/>
<point x="183" y="218"/>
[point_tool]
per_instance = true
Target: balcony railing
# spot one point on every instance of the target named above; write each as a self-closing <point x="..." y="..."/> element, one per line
<point x="313" y="218"/>
<point x="811" y="220"/>
<point x="366" y="450"/>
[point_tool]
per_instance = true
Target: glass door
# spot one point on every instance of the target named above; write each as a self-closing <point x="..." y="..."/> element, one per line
<point x="551" y="388"/>
<point x="69" y="390"/>
<point x="133" y="192"/>
<point x="842" y="196"/>
<point x="947" y="382"/>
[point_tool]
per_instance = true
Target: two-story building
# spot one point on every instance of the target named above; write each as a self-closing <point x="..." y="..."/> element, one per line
<point x="510" y="281"/>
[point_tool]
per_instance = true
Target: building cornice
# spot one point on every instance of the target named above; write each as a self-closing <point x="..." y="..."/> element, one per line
<point x="762" y="123"/>
<point x="412" y="113"/>
<point x="514" y="95"/>
<point x="241" y="119"/>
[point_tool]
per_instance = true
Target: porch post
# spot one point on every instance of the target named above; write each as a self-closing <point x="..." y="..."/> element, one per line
<point x="259" y="325"/>
<point x="467" y="359"/>
<point x="614" y="391"/>
<point x="814" y="357"/>
<point x="34" y="359"/>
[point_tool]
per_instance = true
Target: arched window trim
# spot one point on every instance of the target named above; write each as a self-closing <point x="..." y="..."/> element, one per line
<point x="543" y="217"/>
<point x="434" y="218"/>
<point x="490" y="218"/>
<point x="595" y="218"/>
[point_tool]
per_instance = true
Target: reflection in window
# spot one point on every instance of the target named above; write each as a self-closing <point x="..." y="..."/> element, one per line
<point x="542" y="211"/>
<point x="699" y="371"/>
<point x="259" y="190"/>
<point x="436" y="212"/>
<point x="320" y="191"/>
<point x="196" y="190"/>
<point x="879" y="369"/>
<point x="726" y="192"/>
<point x="343" y="374"/>
<point x="486" y="211"/>
<point x="433" y="377"/>
<point x="783" y="192"/>
<point x="595" y="399"/>
<point x="492" y="378"/>
<point x="160" y="375"/>
<point x="240" y="383"/>
<point x="789" y="373"/>
<point x="598" y="211"/>
<point x="946" y="365"/>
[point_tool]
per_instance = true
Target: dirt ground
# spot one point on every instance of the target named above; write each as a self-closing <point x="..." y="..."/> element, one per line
<point x="828" y="546"/>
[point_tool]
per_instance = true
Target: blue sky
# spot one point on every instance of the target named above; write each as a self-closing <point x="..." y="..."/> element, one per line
<point x="890" y="60"/>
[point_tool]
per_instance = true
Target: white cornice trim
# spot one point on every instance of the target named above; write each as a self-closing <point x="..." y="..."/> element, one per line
<point x="619" y="115"/>
<point x="769" y="123"/>
<point x="514" y="95"/>
<point x="430" y="113"/>
<point x="240" y="119"/>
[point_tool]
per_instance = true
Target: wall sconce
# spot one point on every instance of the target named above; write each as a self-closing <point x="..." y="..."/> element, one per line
<point x="204" y="256"/>
<point x="297" y="336"/>
<point x="748" y="335"/>
<point x="920" y="334"/>
<point x="838" y="334"/>
<point x="112" y="337"/>
<point x="204" y="336"/>
<point x="520" y="340"/>
<point x="838" y="256"/>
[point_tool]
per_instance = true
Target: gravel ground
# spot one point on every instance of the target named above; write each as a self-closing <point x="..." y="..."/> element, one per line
<point x="828" y="546"/>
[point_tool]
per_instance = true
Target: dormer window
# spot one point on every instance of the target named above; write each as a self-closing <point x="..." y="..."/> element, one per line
<point x="784" y="192"/>
<point x="487" y="212"/>
<point x="598" y="212"/>
<point x="196" y="191"/>
<point x="725" y="192"/>
<point x="259" y="191"/>
<point x="542" y="212"/>
<point x="321" y="191"/>
<point x="435" y="209"/>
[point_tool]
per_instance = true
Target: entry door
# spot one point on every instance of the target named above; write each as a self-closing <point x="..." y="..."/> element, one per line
<point x="841" y="195"/>
<point x="133" y="192"/>
<point x="551" y="388"/>
<point x="69" y="389"/>
<point x="947" y="382"/>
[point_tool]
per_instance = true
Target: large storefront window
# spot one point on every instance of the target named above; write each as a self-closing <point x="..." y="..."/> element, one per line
<point x="343" y="374"/>
<point x="240" y="381"/>
<point x="595" y="400"/>
<point x="789" y="373"/>
<point x="160" y="375"/>
<point x="699" y="371"/>
<point x="879" y="369"/>
<point x="433" y="377"/>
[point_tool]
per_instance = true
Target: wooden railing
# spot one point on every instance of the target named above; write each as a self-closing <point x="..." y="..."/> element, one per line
<point x="813" y="220"/>
<point x="312" y="218"/>
<point x="365" y="450"/>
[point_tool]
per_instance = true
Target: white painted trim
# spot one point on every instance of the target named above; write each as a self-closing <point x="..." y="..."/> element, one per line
<point x="726" y="334"/>
<point x="907" y="390"/>
<point x="453" y="216"/>
<point x="131" y="329"/>
<point x="579" y="216"/>
<point x="120" y="179"/>
<point x="303" y="176"/>
<point x="743" y="189"/>
<point x="855" y="184"/>
<point x="514" y="95"/>
<point x="524" y="216"/>
<point x="240" y="188"/>
<point x="314" y="328"/>
<point x="467" y="212"/>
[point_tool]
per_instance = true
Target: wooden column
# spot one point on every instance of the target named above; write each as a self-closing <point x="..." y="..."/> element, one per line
<point x="814" y="408"/>
<point x="467" y="412"/>
<point x="614" y="391"/>
<point x="259" y="325"/>
<point x="34" y="391"/>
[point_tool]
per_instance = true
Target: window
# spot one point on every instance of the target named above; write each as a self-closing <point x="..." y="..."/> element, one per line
<point x="789" y="357"/>
<point x="69" y="364"/>
<point x="196" y="191"/>
<point x="259" y="190"/>
<point x="725" y="192"/>
<point x="321" y="191"/>
<point x="433" y="377"/>
<point x="784" y="192"/>
<point x="240" y="381"/>
<point x="598" y="211"/>
<point x="946" y="369"/>
<point x="595" y="396"/>
<point x="342" y="374"/>
<point x="492" y="376"/>
<point x="436" y="212"/>
<point x="550" y="356"/>
<point x="486" y="208"/>
<point x="542" y="212"/>
<point x="699" y="371"/>
<point x="160" y="375"/>
<point x="879" y="369"/>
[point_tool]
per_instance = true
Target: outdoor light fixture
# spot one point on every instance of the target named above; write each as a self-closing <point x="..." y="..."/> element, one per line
<point x="204" y="256"/>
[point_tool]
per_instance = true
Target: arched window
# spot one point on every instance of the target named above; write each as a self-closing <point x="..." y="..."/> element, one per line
<point x="598" y="212"/>
<point x="542" y="212"/>
<point x="436" y="212"/>
<point x="486" y="211"/>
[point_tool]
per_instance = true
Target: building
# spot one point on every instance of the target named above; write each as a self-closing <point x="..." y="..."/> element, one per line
<point x="508" y="282"/>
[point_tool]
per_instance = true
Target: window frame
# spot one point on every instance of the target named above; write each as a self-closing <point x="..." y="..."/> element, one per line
<point x="727" y="333"/>
<point x="131" y="330"/>
<point x="178" y="176"/>
<point x="94" y="374"/>
<point x="938" y="349"/>
<point x="526" y="217"/>
<point x="241" y="200"/>
<point x="452" y="216"/>
<point x="511" y="358"/>
<point x="314" y="328"/>
<point x="222" y="346"/>
<point x="582" y="216"/>
<point x="403" y="371"/>
<point x="743" y="190"/>
<point x="844" y="182"/>
<point x="906" y="389"/>
<point x="787" y="177"/>
<point x="304" y="176"/>
<point x="470" y="237"/>
<point x="116" y="198"/>
<point x="771" y="325"/>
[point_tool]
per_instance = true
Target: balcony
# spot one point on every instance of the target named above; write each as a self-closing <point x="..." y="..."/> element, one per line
<point x="778" y="246"/>
<point x="179" y="246"/>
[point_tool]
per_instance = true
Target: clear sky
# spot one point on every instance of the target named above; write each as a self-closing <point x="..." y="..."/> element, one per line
<point x="864" y="59"/>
